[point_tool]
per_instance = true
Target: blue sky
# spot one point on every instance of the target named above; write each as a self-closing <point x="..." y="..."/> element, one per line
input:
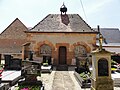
<point x="98" y="12"/>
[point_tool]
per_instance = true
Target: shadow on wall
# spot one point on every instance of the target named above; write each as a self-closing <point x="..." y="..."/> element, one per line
<point x="65" y="19"/>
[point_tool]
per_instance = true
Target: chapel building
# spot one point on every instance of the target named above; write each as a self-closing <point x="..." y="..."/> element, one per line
<point x="64" y="37"/>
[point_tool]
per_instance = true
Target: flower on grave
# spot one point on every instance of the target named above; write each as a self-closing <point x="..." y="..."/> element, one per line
<point x="1" y="69"/>
<point x="25" y="89"/>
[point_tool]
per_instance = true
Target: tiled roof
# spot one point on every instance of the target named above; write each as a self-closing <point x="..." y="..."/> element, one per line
<point x="62" y="23"/>
<point x="112" y="35"/>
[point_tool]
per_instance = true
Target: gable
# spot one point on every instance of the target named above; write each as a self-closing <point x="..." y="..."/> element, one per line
<point x="14" y="30"/>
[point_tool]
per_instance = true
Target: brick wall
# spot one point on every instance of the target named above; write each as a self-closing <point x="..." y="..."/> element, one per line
<point x="55" y="40"/>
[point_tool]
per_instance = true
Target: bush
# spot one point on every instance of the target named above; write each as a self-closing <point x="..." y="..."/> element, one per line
<point x="80" y="69"/>
<point x="29" y="87"/>
<point x="85" y="76"/>
<point x="113" y="62"/>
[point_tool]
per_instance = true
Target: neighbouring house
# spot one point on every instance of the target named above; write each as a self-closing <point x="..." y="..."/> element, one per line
<point x="12" y="39"/>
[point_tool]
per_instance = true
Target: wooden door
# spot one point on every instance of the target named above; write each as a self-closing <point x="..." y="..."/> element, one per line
<point x="62" y="55"/>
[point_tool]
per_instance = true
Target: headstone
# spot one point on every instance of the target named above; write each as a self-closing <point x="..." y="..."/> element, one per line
<point x="15" y="64"/>
<point x="12" y="63"/>
<point x="7" y="61"/>
<point x="32" y="70"/>
<point x="101" y="73"/>
<point x="47" y="59"/>
<point x="31" y="55"/>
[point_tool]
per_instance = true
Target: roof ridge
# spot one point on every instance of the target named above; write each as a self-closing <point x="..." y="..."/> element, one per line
<point x="40" y="21"/>
<point x="85" y="23"/>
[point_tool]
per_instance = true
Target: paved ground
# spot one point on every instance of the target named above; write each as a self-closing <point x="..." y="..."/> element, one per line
<point x="62" y="80"/>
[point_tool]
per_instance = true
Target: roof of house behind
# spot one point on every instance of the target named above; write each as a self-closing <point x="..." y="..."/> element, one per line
<point x="112" y="35"/>
<point x="62" y="23"/>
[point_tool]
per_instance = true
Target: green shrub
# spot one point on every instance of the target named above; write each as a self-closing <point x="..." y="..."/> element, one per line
<point x="85" y="76"/>
<point x="113" y="62"/>
<point x="30" y="87"/>
<point x="45" y="64"/>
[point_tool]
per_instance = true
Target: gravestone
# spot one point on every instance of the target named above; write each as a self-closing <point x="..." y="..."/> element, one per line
<point x="47" y="59"/>
<point x="15" y="64"/>
<point x="32" y="69"/>
<point x="101" y="64"/>
<point x="12" y="63"/>
<point x="30" y="56"/>
<point x="7" y="61"/>
<point x="101" y="73"/>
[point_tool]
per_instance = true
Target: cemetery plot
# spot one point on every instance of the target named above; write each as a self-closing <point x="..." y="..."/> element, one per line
<point x="30" y="71"/>
<point x="46" y="69"/>
<point x="46" y="64"/>
<point x="83" y="77"/>
<point x="11" y="77"/>
<point x="115" y="70"/>
<point x="82" y="72"/>
<point x="11" y="71"/>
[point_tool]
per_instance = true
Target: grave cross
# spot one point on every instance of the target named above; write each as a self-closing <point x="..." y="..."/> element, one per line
<point x="100" y="39"/>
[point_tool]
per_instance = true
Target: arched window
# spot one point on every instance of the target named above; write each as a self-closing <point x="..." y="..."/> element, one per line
<point x="103" y="67"/>
<point x="80" y="51"/>
<point x="45" y="50"/>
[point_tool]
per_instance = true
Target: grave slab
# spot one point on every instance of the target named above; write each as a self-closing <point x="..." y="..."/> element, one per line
<point x="11" y="76"/>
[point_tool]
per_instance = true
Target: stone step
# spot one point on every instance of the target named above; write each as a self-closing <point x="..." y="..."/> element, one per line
<point x="62" y="68"/>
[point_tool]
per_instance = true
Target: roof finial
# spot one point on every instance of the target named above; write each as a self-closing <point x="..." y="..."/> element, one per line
<point x="63" y="9"/>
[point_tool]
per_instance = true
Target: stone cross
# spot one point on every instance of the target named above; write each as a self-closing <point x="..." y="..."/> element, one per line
<point x="100" y="41"/>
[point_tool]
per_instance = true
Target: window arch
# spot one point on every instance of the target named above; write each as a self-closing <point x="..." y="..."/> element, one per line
<point x="80" y="51"/>
<point x="45" y="50"/>
<point x="103" y="67"/>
